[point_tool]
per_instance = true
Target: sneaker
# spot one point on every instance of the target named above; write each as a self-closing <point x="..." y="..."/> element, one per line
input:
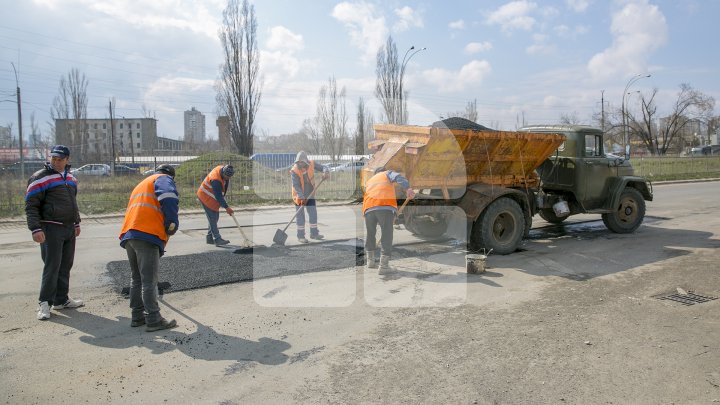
<point x="318" y="237"/>
<point x="221" y="241"/>
<point x="302" y="240"/>
<point x="209" y="239"/>
<point x="162" y="324"/>
<point x="43" y="311"/>
<point x="70" y="303"/>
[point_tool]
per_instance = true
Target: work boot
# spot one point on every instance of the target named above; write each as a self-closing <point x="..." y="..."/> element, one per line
<point x="317" y="236"/>
<point x="371" y="260"/>
<point x="161" y="324"/>
<point x="209" y="239"/>
<point x="137" y="322"/>
<point x="384" y="267"/>
<point x="302" y="239"/>
<point x="221" y="241"/>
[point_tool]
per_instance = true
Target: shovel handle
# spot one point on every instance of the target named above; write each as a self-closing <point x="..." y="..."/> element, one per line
<point x="301" y="207"/>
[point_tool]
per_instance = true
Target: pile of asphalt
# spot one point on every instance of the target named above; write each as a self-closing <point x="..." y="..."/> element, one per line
<point x="224" y="266"/>
<point x="460" y="123"/>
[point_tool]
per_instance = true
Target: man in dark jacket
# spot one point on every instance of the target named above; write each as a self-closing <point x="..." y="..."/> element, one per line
<point x="54" y="220"/>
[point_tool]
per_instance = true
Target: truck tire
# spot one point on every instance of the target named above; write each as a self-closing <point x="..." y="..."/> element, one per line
<point x="629" y="213"/>
<point x="500" y="227"/>
<point x="548" y="214"/>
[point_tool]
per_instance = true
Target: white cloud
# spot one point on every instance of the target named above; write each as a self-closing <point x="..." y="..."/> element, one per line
<point x="578" y="6"/>
<point x="514" y="15"/>
<point x="475" y="47"/>
<point x="471" y="74"/>
<point x="638" y="29"/>
<point x="367" y="31"/>
<point x="540" y="45"/>
<point x="282" y="38"/>
<point x="457" y="25"/>
<point x="409" y="18"/>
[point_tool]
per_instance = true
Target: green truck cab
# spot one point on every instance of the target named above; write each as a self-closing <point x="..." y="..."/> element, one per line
<point x="581" y="178"/>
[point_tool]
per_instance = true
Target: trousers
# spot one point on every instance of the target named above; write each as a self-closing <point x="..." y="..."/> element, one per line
<point x="144" y="260"/>
<point x="385" y="219"/>
<point x="58" y="254"/>
<point x="311" y="209"/>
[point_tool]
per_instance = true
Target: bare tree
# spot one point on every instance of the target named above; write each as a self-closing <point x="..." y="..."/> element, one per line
<point x="40" y="144"/>
<point x="71" y="104"/>
<point x="570" y="118"/>
<point x="332" y="119"/>
<point x="388" y="87"/>
<point x="658" y="135"/>
<point x="363" y="129"/>
<point x="470" y="112"/>
<point x="147" y="113"/>
<point x="311" y="131"/>
<point x="239" y="85"/>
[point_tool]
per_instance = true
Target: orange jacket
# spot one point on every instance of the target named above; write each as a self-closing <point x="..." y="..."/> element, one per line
<point x="379" y="190"/>
<point x="205" y="191"/>
<point x="143" y="212"/>
<point x="299" y="173"/>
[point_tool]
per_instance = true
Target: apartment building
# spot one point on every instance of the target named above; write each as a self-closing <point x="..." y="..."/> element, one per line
<point x="194" y="127"/>
<point x="93" y="139"/>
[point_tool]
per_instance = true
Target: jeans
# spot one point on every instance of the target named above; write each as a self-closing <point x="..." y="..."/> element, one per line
<point x="58" y="254"/>
<point x="144" y="260"/>
<point x="384" y="218"/>
<point x="212" y="217"/>
<point x="311" y="209"/>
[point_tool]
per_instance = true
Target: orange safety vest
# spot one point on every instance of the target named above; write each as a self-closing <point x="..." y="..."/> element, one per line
<point x="205" y="191"/>
<point x="379" y="190"/>
<point x="311" y="176"/>
<point x="143" y="211"/>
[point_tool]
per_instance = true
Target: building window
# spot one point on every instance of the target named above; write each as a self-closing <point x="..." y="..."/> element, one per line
<point x="138" y="145"/>
<point x="95" y="126"/>
<point x="137" y="125"/>
<point x="138" y="135"/>
<point x="104" y="126"/>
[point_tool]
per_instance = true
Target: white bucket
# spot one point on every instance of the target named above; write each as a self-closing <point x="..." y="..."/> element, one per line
<point x="561" y="209"/>
<point x="475" y="263"/>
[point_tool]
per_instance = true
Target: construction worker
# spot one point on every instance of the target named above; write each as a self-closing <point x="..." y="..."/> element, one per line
<point x="151" y="218"/>
<point x="211" y="194"/>
<point x="54" y="220"/>
<point x="379" y="208"/>
<point x="302" y="175"/>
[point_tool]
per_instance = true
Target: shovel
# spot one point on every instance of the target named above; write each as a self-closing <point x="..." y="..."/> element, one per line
<point x="402" y="207"/>
<point x="248" y="245"/>
<point x="280" y="235"/>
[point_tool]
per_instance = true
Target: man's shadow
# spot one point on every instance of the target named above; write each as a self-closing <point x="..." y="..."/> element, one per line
<point x="205" y="343"/>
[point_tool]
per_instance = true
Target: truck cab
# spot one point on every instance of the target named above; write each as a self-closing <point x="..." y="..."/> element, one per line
<point x="582" y="175"/>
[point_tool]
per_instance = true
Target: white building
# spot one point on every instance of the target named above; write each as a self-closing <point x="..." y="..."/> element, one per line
<point x="194" y="127"/>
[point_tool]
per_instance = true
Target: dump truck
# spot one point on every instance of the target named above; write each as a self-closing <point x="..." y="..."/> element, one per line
<point x="500" y="180"/>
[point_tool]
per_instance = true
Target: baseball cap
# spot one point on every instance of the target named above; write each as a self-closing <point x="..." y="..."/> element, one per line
<point x="228" y="170"/>
<point x="60" y="151"/>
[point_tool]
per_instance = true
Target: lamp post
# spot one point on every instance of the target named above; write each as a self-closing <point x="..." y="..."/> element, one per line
<point x="624" y="116"/>
<point x="19" y="109"/>
<point x="401" y="113"/>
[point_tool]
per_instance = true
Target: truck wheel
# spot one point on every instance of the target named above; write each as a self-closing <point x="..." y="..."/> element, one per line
<point x="629" y="213"/>
<point x="500" y="227"/>
<point x="426" y="227"/>
<point x="549" y="215"/>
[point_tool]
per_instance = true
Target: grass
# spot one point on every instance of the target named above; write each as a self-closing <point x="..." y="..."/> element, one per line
<point x="256" y="184"/>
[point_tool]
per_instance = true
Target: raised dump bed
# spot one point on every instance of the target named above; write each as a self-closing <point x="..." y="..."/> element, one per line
<point x="441" y="158"/>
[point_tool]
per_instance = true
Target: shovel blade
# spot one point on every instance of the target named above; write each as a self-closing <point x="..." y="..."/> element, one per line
<point x="280" y="237"/>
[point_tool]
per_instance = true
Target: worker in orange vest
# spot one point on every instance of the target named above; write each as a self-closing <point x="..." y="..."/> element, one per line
<point x="211" y="194"/>
<point x="151" y="218"/>
<point x="380" y="208"/>
<point x="302" y="175"/>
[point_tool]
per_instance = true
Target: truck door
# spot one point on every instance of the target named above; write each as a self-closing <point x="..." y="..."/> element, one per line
<point x="594" y="172"/>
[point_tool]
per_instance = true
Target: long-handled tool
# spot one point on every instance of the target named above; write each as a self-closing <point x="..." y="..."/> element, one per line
<point x="402" y="207"/>
<point x="248" y="245"/>
<point x="280" y="235"/>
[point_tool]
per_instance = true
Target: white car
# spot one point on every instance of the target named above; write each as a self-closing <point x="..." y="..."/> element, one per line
<point x="93" y="169"/>
<point x="350" y="167"/>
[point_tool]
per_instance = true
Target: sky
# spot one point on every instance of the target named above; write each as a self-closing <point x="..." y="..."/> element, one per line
<point x="519" y="60"/>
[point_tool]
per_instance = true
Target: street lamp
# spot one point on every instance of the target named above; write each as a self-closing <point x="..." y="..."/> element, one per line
<point x="624" y="116"/>
<point x="20" y="138"/>
<point x="400" y="114"/>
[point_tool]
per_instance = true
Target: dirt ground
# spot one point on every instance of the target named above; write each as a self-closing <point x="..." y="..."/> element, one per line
<point x="573" y="318"/>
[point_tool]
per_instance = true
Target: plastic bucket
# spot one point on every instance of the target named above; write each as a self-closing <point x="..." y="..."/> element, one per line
<point x="475" y="263"/>
<point x="561" y="209"/>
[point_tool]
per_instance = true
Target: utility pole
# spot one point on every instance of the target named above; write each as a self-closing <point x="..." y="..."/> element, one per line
<point x="602" y="111"/>
<point x="20" y="138"/>
<point x="112" y="135"/>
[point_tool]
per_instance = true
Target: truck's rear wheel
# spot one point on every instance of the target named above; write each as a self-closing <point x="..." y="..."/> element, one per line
<point x="629" y="213"/>
<point x="500" y="227"/>
<point x="426" y="226"/>
<point x="548" y="214"/>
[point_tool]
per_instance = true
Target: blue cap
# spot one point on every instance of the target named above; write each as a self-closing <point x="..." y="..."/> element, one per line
<point x="60" y="151"/>
<point x="228" y="171"/>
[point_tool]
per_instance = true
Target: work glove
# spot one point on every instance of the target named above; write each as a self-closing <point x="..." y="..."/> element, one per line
<point x="326" y="175"/>
<point x="171" y="229"/>
<point x="229" y="210"/>
<point x="410" y="193"/>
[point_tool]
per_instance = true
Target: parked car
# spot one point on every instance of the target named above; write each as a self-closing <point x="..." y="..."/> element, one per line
<point x="31" y="166"/>
<point x="152" y="171"/>
<point x="92" y="169"/>
<point x="349" y="167"/>
<point x="122" y="170"/>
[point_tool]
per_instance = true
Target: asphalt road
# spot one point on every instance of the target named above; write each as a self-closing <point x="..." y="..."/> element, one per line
<point x="572" y="318"/>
